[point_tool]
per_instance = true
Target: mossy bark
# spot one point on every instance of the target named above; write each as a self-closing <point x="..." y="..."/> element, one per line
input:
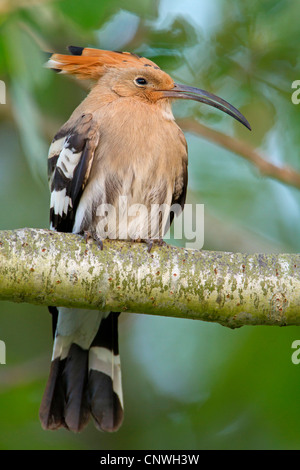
<point x="49" y="268"/>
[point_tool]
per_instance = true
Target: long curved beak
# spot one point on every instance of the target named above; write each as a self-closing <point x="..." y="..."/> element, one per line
<point x="196" y="94"/>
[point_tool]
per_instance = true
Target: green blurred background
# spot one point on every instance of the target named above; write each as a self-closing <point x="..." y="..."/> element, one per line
<point x="187" y="384"/>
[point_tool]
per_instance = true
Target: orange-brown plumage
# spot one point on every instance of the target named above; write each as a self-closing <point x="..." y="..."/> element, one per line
<point x="93" y="63"/>
<point x="122" y="141"/>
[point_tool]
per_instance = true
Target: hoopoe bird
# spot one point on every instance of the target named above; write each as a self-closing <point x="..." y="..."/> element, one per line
<point x="121" y="141"/>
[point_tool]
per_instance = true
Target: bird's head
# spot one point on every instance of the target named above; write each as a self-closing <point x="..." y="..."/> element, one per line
<point x="129" y="75"/>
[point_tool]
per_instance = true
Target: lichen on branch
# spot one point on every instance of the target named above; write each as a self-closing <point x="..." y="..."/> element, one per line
<point x="234" y="289"/>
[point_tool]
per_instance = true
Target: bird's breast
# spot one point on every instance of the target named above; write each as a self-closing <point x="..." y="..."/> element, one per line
<point x="137" y="133"/>
<point x="138" y="158"/>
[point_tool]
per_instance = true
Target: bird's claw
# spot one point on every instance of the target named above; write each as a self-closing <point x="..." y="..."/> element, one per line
<point x="87" y="235"/>
<point x="151" y="241"/>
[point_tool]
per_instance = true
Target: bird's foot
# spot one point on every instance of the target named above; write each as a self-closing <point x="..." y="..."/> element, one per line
<point x="151" y="241"/>
<point x="88" y="235"/>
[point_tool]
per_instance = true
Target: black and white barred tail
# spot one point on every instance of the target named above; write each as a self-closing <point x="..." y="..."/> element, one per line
<point x="85" y="374"/>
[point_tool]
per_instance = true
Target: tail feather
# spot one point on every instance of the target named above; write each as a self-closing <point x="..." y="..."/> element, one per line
<point x="52" y="406"/>
<point x="76" y="410"/>
<point x="104" y="386"/>
<point x="84" y="380"/>
<point x="105" y="404"/>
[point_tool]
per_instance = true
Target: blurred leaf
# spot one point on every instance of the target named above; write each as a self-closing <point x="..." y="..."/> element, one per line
<point x="27" y="118"/>
<point x="179" y="34"/>
<point x="90" y="13"/>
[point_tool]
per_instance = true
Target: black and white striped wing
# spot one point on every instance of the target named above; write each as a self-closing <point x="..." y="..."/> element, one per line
<point x="85" y="375"/>
<point x="69" y="163"/>
<point x="180" y="186"/>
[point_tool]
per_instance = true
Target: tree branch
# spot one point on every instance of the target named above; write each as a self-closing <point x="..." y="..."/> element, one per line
<point x="284" y="174"/>
<point x="49" y="268"/>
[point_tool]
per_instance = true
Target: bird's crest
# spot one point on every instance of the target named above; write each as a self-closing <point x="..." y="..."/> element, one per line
<point x="88" y="63"/>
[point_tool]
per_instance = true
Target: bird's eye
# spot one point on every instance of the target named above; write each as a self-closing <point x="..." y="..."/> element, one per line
<point x="140" y="81"/>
